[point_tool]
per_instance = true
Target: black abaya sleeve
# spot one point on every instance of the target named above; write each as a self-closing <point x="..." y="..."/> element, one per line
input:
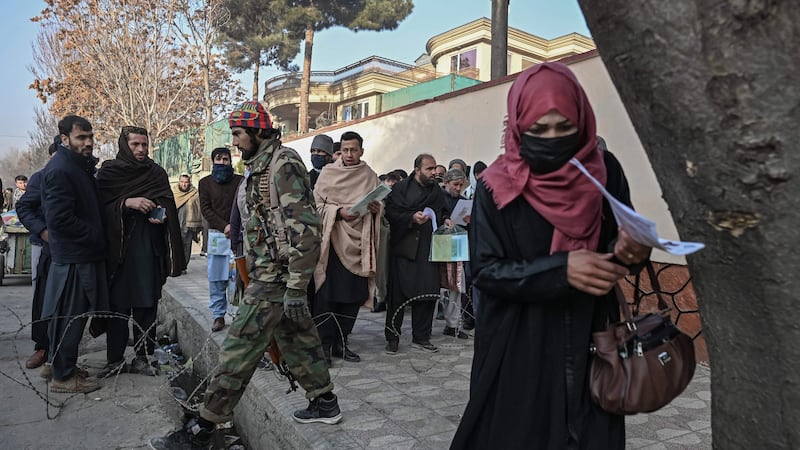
<point x="507" y="276"/>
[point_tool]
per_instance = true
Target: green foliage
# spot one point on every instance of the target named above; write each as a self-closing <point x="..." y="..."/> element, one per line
<point x="381" y="14"/>
<point x="269" y="32"/>
<point x="374" y="15"/>
<point x="254" y="35"/>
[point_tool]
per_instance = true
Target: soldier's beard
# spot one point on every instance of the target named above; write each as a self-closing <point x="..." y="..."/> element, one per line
<point x="250" y="152"/>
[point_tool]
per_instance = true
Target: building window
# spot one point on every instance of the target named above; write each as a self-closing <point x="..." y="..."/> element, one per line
<point x="464" y="60"/>
<point x="527" y="63"/>
<point x="355" y="111"/>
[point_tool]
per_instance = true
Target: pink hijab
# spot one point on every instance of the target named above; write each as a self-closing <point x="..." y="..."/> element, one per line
<point x="565" y="197"/>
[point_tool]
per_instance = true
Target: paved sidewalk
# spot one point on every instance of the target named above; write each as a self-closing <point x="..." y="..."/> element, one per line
<point x="128" y="410"/>
<point x="412" y="400"/>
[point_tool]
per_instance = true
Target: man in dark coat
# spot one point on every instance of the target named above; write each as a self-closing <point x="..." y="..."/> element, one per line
<point x="413" y="280"/>
<point x="76" y="282"/>
<point x="217" y="194"/>
<point x="321" y="156"/>
<point x="145" y="246"/>
<point x="29" y="210"/>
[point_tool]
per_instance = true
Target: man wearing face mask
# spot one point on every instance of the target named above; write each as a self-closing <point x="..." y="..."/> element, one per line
<point x="321" y="155"/>
<point x="217" y="194"/>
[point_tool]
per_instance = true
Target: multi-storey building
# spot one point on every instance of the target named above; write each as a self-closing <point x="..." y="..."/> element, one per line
<point x="454" y="59"/>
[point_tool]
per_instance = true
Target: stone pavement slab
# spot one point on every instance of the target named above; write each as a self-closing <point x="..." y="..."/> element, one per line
<point x="412" y="400"/>
<point x="124" y="414"/>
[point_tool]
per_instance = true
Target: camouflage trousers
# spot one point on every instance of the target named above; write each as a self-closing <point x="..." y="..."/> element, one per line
<point x="257" y="320"/>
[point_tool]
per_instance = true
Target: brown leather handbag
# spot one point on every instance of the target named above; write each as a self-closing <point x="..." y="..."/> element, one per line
<point x="642" y="363"/>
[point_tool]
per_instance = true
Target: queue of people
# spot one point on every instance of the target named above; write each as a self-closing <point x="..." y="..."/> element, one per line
<point x="545" y="253"/>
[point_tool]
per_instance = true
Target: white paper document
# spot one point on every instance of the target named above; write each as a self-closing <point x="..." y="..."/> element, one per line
<point x="375" y="195"/>
<point x="641" y="229"/>
<point x="462" y="209"/>
<point x="429" y="212"/>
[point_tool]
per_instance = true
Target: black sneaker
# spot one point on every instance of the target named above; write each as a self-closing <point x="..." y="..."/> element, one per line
<point x="391" y="347"/>
<point x="425" y="346"/>
<point x="347" y="355"/>
<point x="320" y="410"/>
<point x="469" y="322"/>
<point x="450" y="331"/>
<point x="193" y="435"/>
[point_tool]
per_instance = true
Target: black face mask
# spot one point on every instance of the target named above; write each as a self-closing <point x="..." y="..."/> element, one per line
<point x="320" y="161"/>
<point x="546" y="155"/>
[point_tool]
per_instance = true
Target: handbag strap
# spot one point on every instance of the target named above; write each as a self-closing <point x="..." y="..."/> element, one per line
<point x="654" y="285"/>
<point x="638" y="294"/>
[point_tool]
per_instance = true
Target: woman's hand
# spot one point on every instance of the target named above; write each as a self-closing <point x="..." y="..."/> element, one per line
<point x="593" y="273"/>
<point x="628" y="251"/>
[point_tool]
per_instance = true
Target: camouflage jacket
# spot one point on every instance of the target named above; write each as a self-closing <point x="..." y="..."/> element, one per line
<point x="300" y="219"/>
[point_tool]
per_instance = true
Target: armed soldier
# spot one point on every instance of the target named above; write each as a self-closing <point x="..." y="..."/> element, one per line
<point x="282" y="242"/>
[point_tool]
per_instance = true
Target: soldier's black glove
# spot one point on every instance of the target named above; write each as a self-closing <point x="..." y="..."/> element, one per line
<point x="295" y="305"/>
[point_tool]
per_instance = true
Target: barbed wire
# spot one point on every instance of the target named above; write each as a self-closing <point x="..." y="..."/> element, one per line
<point x="192" y="399"/>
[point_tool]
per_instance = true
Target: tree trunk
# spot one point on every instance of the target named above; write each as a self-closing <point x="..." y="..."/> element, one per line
<point x="499" y="38"/>
<point x="713" y="90"/>
<point x="255" y="80"/>
<point x="305" y="82"/>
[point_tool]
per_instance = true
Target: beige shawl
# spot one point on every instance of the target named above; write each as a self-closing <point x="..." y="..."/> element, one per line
<point x="355" y="242"/>
<point x="193" y="214"/>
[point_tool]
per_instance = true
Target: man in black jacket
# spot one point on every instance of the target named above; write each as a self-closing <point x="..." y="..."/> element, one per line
<point x="29" y="210"/>
<point x="76" y="283"/>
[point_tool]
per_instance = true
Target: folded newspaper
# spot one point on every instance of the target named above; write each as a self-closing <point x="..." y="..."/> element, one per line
<point x="641" y="229"/>
<point x="375" y="195"/>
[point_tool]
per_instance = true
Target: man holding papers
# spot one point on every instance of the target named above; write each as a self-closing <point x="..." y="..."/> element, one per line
<point x="345" y="273"/>
<point x="412" y="208"/>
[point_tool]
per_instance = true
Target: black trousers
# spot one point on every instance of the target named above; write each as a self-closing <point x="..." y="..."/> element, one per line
<point x="39" y="326"/>
<point x="65" y="330"/>
<point x="335" y="322"/>
<point x="117" y="332"/>
<point x="421" y="317"/>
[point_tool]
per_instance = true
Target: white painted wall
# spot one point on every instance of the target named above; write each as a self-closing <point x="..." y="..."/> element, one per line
<point x="469" y="127"/>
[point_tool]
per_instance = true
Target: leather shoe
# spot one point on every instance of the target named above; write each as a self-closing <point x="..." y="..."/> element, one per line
<point x="348" y="355"/>
<point x="379" y="307"/>
<point x="218" y="325"/>
<point x="37" y="359"/>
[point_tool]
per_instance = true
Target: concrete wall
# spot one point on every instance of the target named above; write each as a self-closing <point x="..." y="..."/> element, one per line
<point x="468" y="124"/>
